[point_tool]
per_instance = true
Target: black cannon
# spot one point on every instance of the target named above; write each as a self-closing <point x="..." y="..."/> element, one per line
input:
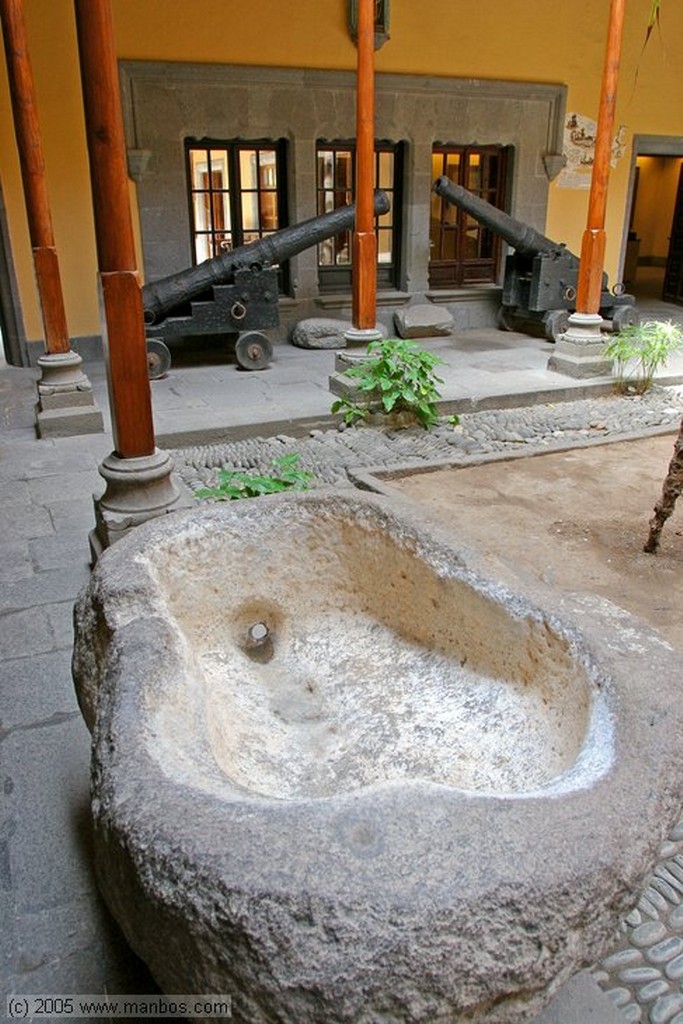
<point x="235" y="293"/>
<point x="541" y="276"/>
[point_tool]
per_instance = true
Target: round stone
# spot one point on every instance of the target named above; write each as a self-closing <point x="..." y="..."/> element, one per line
<point x="649" y="992"/>
<point x="623" y="958"/>
<point x="648" y="933"/>
<point x="619" y="996"/>
<point x="674" y="969"/>
<point x="639" y="975"/>
<point x="666" y="1008"/>
<point x="676" y="919"/>
<point x="666" y="950"/>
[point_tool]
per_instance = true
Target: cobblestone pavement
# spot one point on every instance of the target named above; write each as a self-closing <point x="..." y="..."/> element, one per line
<point x="330" y="454"/>
<point x="643" y="975"/>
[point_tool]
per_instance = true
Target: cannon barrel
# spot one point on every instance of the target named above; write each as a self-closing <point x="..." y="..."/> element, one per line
<point x="522" y="237"/>
<point x="159" y="297"/>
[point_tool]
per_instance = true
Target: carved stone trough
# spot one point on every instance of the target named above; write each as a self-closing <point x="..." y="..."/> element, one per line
<point x="340" y="778"/>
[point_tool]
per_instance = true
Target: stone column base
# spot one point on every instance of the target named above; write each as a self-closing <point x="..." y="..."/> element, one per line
<point x="580" y="352"/>
<point x="362" y="335"/>
<point x="66" y="404"/>
<point x="137" y="489"/>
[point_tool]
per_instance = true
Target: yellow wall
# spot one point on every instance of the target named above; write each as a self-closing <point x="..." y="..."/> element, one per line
<point x="530" y="40"/>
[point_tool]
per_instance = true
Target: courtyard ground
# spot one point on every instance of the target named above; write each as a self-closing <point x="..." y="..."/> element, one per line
<point x="575" y="520"/>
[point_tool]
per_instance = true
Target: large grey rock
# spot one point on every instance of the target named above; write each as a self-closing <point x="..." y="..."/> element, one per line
<point x="425" y="321"/>
<point x="342" y="778"/>
<point x="320" y="332"/>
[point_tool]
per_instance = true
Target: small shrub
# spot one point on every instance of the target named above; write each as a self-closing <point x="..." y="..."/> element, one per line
<point x="398" y="377"/>
<point x="639" y="350"/>
<point x="236" y="483"/>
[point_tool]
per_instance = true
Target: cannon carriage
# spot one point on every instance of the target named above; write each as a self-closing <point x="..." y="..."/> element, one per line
<point x="234" y="294"/>
<point x="541" y="276"/>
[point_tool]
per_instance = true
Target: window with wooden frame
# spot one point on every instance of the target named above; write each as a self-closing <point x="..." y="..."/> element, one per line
<point x="236" y="194"/>
<point x="463" y="251"/>
<point x="335" y="165"/>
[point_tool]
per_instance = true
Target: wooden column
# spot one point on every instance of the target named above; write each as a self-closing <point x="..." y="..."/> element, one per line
<point x="30" y="148"/>
<point x="364" y="240"/>
<point x="593" y="242"/>
<point x="125" y="345"/>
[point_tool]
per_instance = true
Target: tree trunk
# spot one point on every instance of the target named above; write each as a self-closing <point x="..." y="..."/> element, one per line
<point x="673" y="485"/>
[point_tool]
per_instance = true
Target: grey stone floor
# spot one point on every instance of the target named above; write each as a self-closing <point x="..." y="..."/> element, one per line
<point x="55" y="936"/>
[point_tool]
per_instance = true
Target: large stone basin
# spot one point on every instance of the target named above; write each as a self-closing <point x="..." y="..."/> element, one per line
<point x="339" y="777"/>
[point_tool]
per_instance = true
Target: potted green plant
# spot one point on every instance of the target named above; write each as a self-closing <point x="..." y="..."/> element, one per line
<point x="639" y="350"/>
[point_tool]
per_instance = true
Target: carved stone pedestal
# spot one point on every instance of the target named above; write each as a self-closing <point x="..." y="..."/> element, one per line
<point x="581" y="351"/>
<point x="66" y="404"/>
<point x="137" y="489"/>
<point x="363" y="335"/>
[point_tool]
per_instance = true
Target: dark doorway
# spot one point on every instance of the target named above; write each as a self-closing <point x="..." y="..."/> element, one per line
<point x="673" y="274"/>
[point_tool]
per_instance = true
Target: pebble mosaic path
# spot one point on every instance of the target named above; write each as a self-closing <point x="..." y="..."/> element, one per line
<point x="330" y="454"/>
<point x="643" y="976"/>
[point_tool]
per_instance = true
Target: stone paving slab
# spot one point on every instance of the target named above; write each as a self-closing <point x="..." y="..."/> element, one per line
<point x="35" y="688"/>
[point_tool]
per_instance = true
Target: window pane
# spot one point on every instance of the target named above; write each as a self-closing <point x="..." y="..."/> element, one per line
<point x="248" y="168"/>
<point x="386" y="170"/>
<point x="268" y="209"/>
<point x="342" y="247"/>
<point x="326" y="253"/>
<point x="344" y="170"/>
<point x="222" y="242"/>
<point x="267" y="164"/>
<point x="199" y="165"/>
<point x="473" y="182"/>
<point x="384" y="246"/>
<point x="325" y="168"/>
<point x="342" y="199"/>
<point x="202" y="248"/>
<point x="452" y="168"/>
<point x="250" y="219"/>
<point x="219" y="168"/>
<point x="437" y="165"/>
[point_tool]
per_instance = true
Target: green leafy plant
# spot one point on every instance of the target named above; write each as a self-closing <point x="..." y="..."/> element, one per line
<point x="638" y="351"/>
<point x="398" y="377"/>
<point x="236" y="483"/>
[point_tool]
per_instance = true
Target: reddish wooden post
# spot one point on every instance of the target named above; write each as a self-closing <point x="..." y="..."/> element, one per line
<point x="139" y="477"/>
<point x="30" y="148"/>
<point x="581" y="351"/>
<point x="593" y="243"/>
<point x="131" y="403"/>
<point x="66" y="404"/>
<point x="364" y="240"/>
